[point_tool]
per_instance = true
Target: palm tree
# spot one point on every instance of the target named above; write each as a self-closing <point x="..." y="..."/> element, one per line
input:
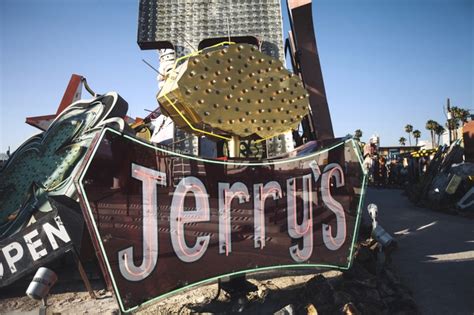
<point x="416" y="135"/>
<point x="402" y="140"/>
<point x="358" y="134"/>
<point x="439" y="132"/>
<point x="432" y="125"/>
<point x="409" y="129"/>
<point x="452" y="125"/>
<point x="460" y="114"/>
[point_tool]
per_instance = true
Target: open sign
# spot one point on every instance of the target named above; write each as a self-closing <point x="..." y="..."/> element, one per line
<point x="163" y="221"/>
<point x="32" y="247"/>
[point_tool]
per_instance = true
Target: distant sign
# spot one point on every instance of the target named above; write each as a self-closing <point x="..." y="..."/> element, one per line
<point x="32" y="247"/>
<point x="163" y="221"/>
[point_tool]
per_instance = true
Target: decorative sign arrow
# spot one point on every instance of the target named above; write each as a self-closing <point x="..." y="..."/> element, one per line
<point x="163" y="221"/>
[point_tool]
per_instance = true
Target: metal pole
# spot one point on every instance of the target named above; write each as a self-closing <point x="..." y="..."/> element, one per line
<point x="450" y="117"/>
<point x="83" y="274"/>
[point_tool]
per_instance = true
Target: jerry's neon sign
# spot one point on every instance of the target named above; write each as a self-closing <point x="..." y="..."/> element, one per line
<point x="151" y="179"/>
<point x="177" y="221"/>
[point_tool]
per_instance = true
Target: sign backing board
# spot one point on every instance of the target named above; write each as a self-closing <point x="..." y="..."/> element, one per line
<point x="163" y="221"/>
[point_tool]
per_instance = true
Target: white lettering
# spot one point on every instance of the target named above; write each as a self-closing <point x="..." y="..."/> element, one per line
<point x="178" y="218"/>
<point x="33" y="245"/>
<point x="333" y="243"/>
<point x="59" y="232"/>
<point x="11" y="260"/>
<point x="261" y="193"/>
<point x="226" y="195"/>
<point x="150" y="178"/>
<point x="305" y="229"/>
<point x="299" y="218"/>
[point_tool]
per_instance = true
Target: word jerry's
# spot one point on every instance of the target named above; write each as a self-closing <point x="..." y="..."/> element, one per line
<point x="226" y="193"/>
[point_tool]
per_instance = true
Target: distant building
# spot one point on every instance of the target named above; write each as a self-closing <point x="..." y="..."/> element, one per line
<point x="425" y="144"/>
<point x="393" y="152"/>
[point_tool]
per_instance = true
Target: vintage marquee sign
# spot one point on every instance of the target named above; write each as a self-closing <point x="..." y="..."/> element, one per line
<point x="164" y="221"/>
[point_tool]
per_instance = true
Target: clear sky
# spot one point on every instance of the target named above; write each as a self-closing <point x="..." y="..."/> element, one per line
<point x="386" y="63"/>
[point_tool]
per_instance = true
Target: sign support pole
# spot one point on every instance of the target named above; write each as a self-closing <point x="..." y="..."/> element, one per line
<point x="83" y="274"/>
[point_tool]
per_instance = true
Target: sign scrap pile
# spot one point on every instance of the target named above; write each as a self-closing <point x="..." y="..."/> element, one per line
<point x="162" y="221"/>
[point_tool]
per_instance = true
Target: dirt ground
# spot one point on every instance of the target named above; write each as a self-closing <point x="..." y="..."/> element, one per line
<point x="185" y="303"/>
<point x="63" y="303"/>
<point x="369" y="287"/>
<point x="81" y="303"/>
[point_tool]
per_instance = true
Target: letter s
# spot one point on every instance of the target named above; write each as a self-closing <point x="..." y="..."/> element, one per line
<point x="333" y="170"/>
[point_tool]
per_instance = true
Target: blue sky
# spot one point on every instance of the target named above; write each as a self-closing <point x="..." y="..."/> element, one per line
<point x="386" y="63"/>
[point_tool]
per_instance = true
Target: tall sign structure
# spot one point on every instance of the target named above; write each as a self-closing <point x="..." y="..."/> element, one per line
<point x="189" y="25"/>
<point x="183" y="24"/>
<point x="186" y="26"/>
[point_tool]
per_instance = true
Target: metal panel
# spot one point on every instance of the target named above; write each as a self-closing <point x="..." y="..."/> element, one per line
<point x="185" y="23"/>
<point x="186" y="143"/>
<point x="280" y="144"/>
<point x="235" y="89"/>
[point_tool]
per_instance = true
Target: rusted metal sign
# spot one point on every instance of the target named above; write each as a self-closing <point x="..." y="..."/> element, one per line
<point x="163" y="221"/>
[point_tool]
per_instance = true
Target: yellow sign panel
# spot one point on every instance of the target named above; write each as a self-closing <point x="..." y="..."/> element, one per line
<point x="234" y="91"/>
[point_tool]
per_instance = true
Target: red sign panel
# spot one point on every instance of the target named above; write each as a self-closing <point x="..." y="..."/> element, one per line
<point x="164" y="221"/>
